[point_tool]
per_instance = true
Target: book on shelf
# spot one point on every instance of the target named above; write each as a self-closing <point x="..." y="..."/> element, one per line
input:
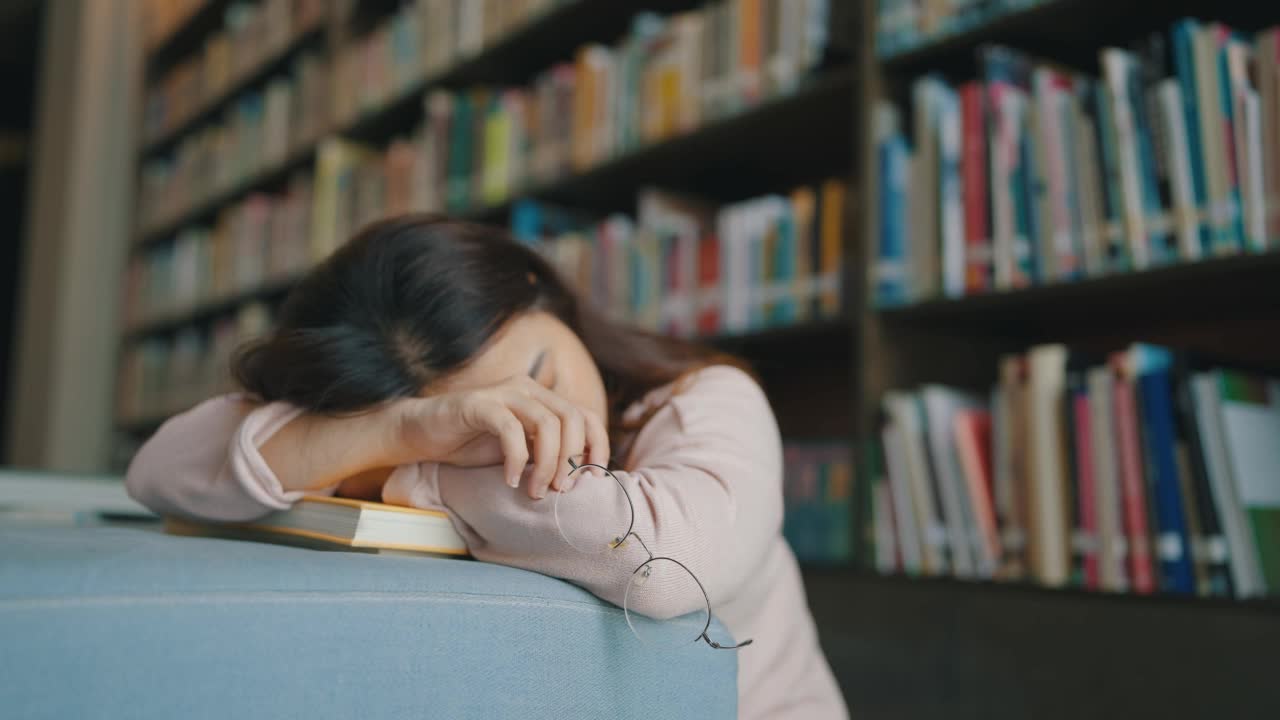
<point x="902" y="25"/>
<point x="255" y="242"/>
<point x="818" y="481"/>
<point x="1033" y="173"/>
<point x="161" y="18"/>
<point x="256" y="132"/>
<point x="485" y="145"/>
<point x="250" y="36"/>
<point x="687" y="268"/>
<point x="1143" y="471"/>
<point x="332" y="523"/>
<point x="163" y="375"/>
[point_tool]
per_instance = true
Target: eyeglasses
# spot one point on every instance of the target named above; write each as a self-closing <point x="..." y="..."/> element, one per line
<point x="659" y="582"/>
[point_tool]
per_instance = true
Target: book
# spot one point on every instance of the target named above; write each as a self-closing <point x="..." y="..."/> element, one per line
<point x="1250" y="408"/>
<point x="1138" y="473"/>
<point x="973" y="444"/>
<point x="343" y="523"/>
<point x="1168" y="155"/>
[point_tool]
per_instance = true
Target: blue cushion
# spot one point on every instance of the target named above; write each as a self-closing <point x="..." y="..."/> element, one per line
<point x="131" y="623"/>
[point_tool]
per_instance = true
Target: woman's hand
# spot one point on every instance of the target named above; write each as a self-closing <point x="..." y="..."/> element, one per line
<point x="512" y="423"/>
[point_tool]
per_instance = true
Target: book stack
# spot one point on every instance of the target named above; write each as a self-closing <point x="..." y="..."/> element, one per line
<point x="817" y="495"/>
<point x="668" y="76"/>
<point x="1034" y="173"/>
<point x="252" y="35"/>
<point x="259" y="240"/>
<point x="686" y="268"/>
<point x="163" y="376"/>
<point x="1139" y="472"/>
<point x="162" y="17"/>
<point x="905" y="24"/>
<point x="258" y="131"/>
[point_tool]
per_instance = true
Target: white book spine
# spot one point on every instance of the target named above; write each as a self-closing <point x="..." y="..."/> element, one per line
<point x="1116" y="68"/>
<point x="939" y="411"/>
<point x="910" y="543"/>
<point x="951" y="204"/>
<point x="1246" y="574"/>
<point x="1047" y="384"/>
<point x="1252" y="174"/>
<point x="1111" y="568"/>
<point x="1179" y="162"/>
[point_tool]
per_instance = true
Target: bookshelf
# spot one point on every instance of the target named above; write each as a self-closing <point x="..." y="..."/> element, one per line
<point x="918" y="644"/>
<point x="705" y="160"/>
<point x="827" y="376"/>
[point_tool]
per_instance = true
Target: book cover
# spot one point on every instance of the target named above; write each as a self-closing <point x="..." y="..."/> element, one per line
<point x="973" y="439"/>
<point x="1112" y="553"/>
<point x="974" y="189"/>
<point x="1049" y="511"/>
<point x="1133" y="496"/>
<point x="939" y="406"/>
<point x="1250" y="407"/>
<point x="1173" y="543"/>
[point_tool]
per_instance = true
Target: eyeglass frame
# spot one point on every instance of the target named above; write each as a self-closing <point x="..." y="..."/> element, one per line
<point x="630" y="533"/>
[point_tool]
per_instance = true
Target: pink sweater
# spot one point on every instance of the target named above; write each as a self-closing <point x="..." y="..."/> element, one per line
<point x="705" y="475"/>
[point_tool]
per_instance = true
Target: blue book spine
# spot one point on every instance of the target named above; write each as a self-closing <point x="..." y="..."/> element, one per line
<point x="1233" y="239"/>
<point x="1116" y="252"/>
<point x="785" y="311"/>
<point x="526" y="225"/>
<point x="891" y="268"/>
<point x="1184" y="65"/>
<point x="1072" y="173"/>
<point x="1173" y="544"/>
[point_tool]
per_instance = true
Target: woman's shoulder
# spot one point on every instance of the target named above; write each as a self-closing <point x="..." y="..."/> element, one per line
<point x="711" y="393"/>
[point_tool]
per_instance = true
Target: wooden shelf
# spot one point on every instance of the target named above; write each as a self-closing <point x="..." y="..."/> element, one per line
<point x="1241" y="287"/>
<point x="1070" y="31"/>
<point x="794" y="138"/>
<point x="514" y="59"/>
<point x="188" y="37"/>
<point x="910" y="649"/>
<point x="206" y="210"/>
<point x="277" y="63"/>
<point x="1030" y="591"/>
<point x="211" y="308"/>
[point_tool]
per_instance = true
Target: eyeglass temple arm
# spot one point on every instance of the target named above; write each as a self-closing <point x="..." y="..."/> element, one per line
<point x="718" y="646"/>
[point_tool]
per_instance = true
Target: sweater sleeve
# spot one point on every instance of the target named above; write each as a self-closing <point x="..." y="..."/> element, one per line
<point x="206" y="464"/>
<point x="705" y="485"/>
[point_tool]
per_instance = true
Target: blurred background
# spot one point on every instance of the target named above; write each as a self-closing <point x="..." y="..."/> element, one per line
<point x="1006" y="268"/>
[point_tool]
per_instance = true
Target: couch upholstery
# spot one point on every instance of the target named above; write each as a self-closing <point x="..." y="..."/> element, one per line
<point x="131" y="623"/>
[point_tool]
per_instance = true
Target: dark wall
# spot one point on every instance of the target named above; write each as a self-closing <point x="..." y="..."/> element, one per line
<point x="20" y="31"/>
<point x="946" y="649"/>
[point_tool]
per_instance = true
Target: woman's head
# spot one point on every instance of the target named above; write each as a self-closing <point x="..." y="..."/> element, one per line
<point x="417" y="304"/>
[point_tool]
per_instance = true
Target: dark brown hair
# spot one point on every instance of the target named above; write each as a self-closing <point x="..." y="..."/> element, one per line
<point x="411" y="299"/>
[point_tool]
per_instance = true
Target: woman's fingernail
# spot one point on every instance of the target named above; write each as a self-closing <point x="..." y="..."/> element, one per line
<point x="514" y="481"/>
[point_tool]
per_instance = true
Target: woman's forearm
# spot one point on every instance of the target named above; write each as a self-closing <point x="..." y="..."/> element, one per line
<point x="316" y="451"/>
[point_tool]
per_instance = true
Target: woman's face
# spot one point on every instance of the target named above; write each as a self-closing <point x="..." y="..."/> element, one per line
<point x="536" y="344"/>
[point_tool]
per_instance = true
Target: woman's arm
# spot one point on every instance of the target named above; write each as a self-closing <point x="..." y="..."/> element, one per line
<point x="230" y="460"/>
<point x="204" y="463"/>
<point x="706" y="487"/>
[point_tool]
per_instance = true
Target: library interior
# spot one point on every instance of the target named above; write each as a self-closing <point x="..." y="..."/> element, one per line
<point x="557" y="359"/>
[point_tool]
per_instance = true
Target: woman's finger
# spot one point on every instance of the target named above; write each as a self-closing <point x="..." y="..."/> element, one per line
<point x="597" y="441"/>
<point x="500" y="421"/>
<point x="573" y="433"/>
<point x="542" y="424"/>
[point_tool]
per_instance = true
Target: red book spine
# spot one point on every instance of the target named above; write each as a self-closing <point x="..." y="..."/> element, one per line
<point x="708" y="285"/>
<point x="973" y="167"/>
<point x="1133" y="496"/>
<point x="1087" y="495"/>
